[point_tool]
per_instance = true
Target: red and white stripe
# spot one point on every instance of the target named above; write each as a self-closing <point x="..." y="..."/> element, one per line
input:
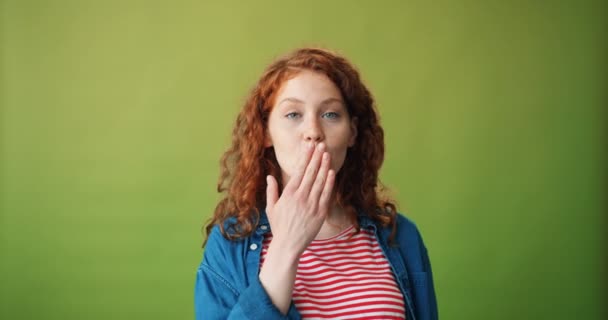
<point x="345" y="277"/>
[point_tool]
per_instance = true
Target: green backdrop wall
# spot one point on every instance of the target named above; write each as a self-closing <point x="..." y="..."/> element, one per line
<point x="114" y="115"/>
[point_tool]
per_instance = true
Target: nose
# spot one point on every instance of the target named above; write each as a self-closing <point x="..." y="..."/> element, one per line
<point x="313" y="131"/>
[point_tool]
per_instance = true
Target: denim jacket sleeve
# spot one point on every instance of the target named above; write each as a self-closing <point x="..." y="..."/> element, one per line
<point x="226" y="287"/>
<point x="430" y="286"/>
<point x="418" y="264"/>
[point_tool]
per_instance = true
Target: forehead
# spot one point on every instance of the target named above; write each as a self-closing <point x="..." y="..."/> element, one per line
<point x="308" y="86"/>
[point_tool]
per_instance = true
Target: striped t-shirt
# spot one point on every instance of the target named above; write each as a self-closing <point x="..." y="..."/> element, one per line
<point x="345" y="277"/>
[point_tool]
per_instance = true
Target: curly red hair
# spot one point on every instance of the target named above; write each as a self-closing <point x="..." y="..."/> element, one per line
<point x="245" y="165"/>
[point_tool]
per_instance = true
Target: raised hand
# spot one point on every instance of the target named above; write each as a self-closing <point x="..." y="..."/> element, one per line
<point x="295" y="219"/>
<point x="297" y="216"/>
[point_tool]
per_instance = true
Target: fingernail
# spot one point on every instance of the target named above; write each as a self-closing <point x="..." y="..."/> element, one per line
<point x="321" y="146"/>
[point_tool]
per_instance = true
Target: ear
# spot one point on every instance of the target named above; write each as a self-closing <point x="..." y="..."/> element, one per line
<point x="353" y="130"/>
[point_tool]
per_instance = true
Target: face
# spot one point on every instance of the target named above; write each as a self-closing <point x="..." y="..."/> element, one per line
<point x="309" y="109"/>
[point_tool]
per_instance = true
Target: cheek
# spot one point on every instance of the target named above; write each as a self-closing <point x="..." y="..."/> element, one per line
<point x="337" y="160"/>
<point x="340" y="148"/>
<point x="286" y="155"/>
<point x="284" y="160"/>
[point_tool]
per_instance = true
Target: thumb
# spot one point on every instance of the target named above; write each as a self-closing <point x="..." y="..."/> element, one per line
<point x="272" y="192"/>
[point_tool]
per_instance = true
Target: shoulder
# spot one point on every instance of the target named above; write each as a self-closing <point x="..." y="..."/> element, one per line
<point x="408" y="240"/>
<point x="408" y="234"/>
<point x="220" y="236"/>
<point x="217" y="237"/>
<point x="404" y="223"/>
<point x="219" y="249"/>
<point x="215" y="245"/>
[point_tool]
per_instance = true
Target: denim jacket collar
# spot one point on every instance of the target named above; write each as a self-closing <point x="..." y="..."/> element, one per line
<point x="364" y="220"/>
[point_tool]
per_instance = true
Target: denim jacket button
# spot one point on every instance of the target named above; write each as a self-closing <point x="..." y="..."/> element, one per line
<point x="264" y="227"/>
<point x="253" y="246"/>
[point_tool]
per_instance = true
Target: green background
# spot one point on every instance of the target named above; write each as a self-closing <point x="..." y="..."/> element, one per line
<point x="114" y="115"/>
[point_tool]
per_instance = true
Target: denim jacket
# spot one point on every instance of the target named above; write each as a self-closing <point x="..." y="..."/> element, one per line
<point x="228" y="286"/>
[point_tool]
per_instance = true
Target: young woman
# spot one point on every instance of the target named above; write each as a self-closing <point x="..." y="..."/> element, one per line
<point x="302" y="231"/>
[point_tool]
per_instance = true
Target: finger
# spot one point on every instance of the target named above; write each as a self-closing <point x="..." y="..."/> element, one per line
<point x="327" y="191"/>
<point x="272" y="192"/>
<point x="319" y="182"/>
<point x="300" y="168"/>
<point x="311" y="170"/>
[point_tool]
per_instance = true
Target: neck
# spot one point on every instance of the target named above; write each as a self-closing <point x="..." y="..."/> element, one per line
<point x="338" y="219"/>
<point x="338" y="214"/>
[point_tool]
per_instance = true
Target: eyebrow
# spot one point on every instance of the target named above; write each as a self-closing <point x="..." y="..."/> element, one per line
<point x="324" y="102"/>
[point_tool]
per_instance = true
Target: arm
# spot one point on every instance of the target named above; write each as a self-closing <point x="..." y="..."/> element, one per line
<point x="295" y="219"/>
<point x="216" y="296"/>
<point x="427" y="297"/>
<point x="418" y="265"/>
<point x="216" y="299"/>
<point x="431" y="292"/>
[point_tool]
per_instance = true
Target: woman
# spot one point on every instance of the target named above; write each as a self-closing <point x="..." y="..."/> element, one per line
<point x="302" y="231"/>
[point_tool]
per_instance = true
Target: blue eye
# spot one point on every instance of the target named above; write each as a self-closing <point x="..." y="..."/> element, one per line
<point x="292" y="115"/>
<point x="331" y="115"/>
